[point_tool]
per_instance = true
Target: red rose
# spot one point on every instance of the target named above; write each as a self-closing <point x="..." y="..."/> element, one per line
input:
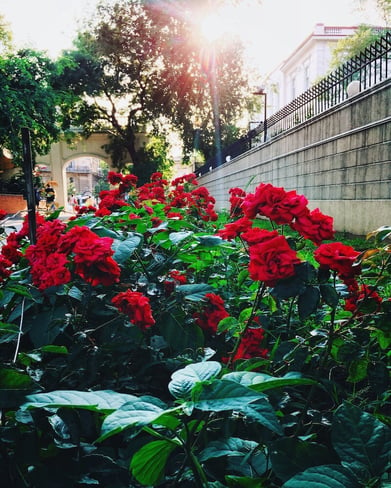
<point x="275" y="203"/>
<point x="234" y="229"/>
<point x="314" y="226"/>
<point x="257" y="235"/>
<point x="214" y="311"/>
<point x="250" y="345"/>
<point x="338" y="257"/>
<point x="136" y="306"/>
<point x="272" y="260"/>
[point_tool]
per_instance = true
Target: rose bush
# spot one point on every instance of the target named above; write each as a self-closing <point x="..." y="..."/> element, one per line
<point x="150" y="341"/>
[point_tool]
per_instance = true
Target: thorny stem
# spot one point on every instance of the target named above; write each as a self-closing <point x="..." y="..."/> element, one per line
<point x="319" y="371"/>
<point x="19" y="333"/>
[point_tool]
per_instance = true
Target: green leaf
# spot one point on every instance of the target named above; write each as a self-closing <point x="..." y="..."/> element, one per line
<point x="47" y="325"/>
<point x="329" y="295"/>
<point x="103" y="400"/>
<point x="183" y="380"/>
<point x="177" y="237"/>
<point x="290" y="456"/>
<point x="242" y="482"/>
<point x="12" y="379"/>
<point x="124" y="249"/>
<point x="137" y="413"/>
<point x="8" y="332"/>
<point x="329" y="476"/>
<point x="181" y="336"/>
<point x="263" y="382"/>
<point x="290" y="287"/>
<point x="148" y="464"/>
<point x="358" y="370"/>
<point x="233" y="446"/>
<point x="308" y="301"/>
<point x="221" y="395"/>
<point x="362" y="442"/>
<point x="76" y="293"/>
<point x="19" y="290"/>
<point x="54" y="349"/>
<point x="263" y="413"/>
<point x="194" y="293"/>
<point x="210" y="241"/>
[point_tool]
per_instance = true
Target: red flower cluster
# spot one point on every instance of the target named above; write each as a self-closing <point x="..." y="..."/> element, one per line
<point x="234" y="229"/>
<point x="51" y="257"/>
<point x="314" y="226"/>
<point x="125" y="182"/>
<point x="275" y="203"/>
<point x="136" y="306"/>
<point x="3" y="214"/>
<point x="338" y="257"/>
<point x="364" y="295"/>
<point x="214" y="311"/>
<point x="251" y="345"/>
<point x="287" y="207"/>
<point x="4" y="265"/>
<point x="174" y="278"/>
<point x="236" y="199"/>
<point x="272" y="259"/>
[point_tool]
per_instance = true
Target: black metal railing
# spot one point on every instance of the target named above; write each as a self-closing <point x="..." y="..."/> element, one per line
<point x="371" y="66"/>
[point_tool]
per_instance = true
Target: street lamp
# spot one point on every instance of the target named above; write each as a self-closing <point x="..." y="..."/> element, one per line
<point x="261" y="91"/>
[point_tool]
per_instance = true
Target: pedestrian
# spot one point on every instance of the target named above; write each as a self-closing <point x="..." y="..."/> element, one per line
<point x="73" y="202"/>
<point x="50" y="195"/>
<point x="37" y="196"/>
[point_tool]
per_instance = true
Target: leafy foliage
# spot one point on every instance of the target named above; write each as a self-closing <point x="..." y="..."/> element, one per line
<point x="146" y="351"/>
<point x="27" y="99"/>
<point x="140" y="67"/>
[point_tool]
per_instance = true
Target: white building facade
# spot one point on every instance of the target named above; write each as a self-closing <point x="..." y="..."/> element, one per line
<point x="305" y="66"/>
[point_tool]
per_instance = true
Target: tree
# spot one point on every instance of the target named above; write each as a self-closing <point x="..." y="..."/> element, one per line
<point x="351" y="46"/>
<point x="5" y="35"/>
<point x="143" y="68"/>
<point x="27" y="99"/>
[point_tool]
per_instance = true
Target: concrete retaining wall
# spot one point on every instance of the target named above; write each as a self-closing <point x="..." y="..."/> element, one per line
<point x="340" y="160"/>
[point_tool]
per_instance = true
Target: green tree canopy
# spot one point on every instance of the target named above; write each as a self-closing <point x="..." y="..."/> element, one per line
<point x="351" y="46"/>
<point x="27" y="99"/>
<point x="140" y="66"/>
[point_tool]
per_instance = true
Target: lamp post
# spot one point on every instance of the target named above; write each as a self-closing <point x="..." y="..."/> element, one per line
<point x="215" y="106"/>
<point x="261" y="91"/>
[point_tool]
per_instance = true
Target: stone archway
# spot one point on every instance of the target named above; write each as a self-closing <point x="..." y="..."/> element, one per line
<point x="61" y="153"/>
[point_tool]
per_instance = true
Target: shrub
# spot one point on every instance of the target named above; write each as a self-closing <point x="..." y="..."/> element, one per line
<point x="152" y="342"/>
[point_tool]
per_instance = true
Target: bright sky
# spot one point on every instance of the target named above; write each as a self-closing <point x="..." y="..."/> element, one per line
<point x="271" y="30"/>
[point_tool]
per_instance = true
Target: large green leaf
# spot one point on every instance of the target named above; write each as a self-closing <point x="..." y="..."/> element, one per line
<point x="211" y="241"/>
<point x="362" y="442"/>
<point x="124" y="249"/>
<point x="290" y="456"/>
<point x="233" y="446"/>
<point x="181" y="336"/>
<point x="308" y="301"/>
<point x="137" y="413"/>
<point x="8" y="332"/>
<point x="196" y="292"/>
<point x="263" y="413"/>
<point x="178" y="237"/>
<point x="263" y="382"/>
<point x="148" y="464"/>
<point x="330" y="476"/>
<point x="104" y="400"/>
<point x="183" y="380"/>
<point x="46" y="325"/>
<point x="221" y="395"/>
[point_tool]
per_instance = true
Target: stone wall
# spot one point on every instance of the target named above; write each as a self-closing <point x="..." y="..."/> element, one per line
<point x="340" y="160"/>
